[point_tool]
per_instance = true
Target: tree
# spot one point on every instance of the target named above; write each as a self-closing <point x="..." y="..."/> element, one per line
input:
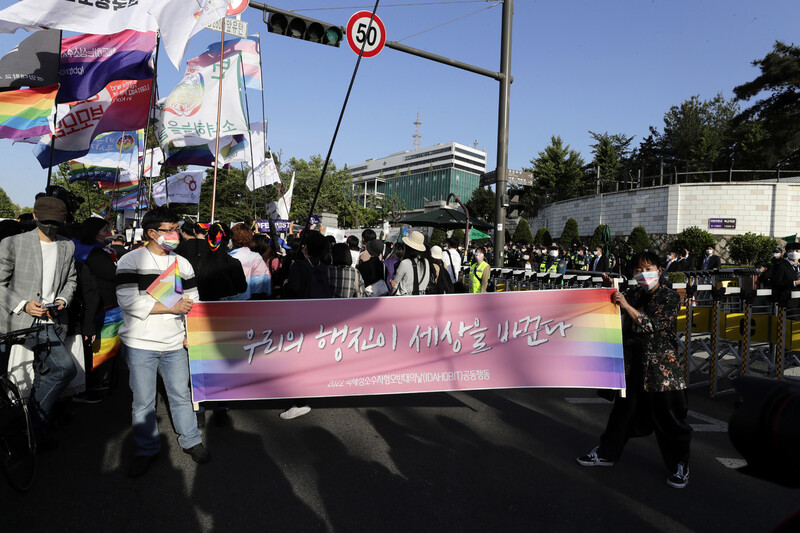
<point x="393" y="208"/>
<point x="597" y="237"/>
<point x="234" y="202"/>
<point x="749" y="248"/>
<point x="558" y="173"/>
<point x="639" y="240"/>
<point x="695" y="240"/>
<point x="777" y="140"/>
<point x="332" y="196"/>
<point x="570" y="235"/>
<point x="481" y="205"/>
<point x="699" y="131"/>
<point x="438" y="237"/>
<point x="523" y="233"/>
<point x="88" y="195"/>
<point x="609" y="153"/>
<point x="543" y="237"/>
<point x="8" y="209"/>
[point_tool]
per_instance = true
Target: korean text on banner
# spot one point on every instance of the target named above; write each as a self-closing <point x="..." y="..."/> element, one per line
<point x="345" y="347"/>
<point x="120" y="106"/>
<point x="190" y="110"/>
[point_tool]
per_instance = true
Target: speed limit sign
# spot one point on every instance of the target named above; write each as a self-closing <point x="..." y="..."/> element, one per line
<point x="236" y="6"/>
<point x="359" y="31"/>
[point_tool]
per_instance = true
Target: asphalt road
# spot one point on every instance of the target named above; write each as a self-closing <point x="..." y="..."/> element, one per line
<point x="463" y="461"/>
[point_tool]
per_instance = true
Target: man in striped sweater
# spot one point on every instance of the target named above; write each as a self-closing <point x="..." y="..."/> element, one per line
<point x="154" y="340"/>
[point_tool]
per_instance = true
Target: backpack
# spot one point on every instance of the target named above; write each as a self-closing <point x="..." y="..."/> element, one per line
<point x="318" y="285"/>
<point x="442" y="284"/>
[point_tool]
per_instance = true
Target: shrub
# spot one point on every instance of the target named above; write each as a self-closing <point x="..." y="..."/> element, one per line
<point x="543" y="237"/>
<point x="597" y="237"/>
<point x="695" y="240"/>
<point x="639" y="240"/>
<point x="507" y="235"/>
<point x="459" y="235"/>
<point x="438" y="237"/>
<point x="570" y="234"/>
<point x="750" y="248"/>
<point x="523" y="232"/>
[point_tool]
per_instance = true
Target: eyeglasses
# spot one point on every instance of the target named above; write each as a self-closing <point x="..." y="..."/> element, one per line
<point x="165" y="230"/>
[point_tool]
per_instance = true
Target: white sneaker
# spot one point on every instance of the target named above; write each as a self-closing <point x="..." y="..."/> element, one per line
<point x="294" y="412"/>
<point x="680" y="478"/>
<point x="592" y="459"/>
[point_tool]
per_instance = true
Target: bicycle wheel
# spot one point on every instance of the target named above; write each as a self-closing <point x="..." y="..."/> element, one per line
<point x="17" y="444"/>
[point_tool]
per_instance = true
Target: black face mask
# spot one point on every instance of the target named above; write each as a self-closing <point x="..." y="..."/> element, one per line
<point x="51" y="230"/>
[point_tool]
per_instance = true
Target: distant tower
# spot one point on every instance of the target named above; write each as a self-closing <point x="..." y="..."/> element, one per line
<point x="417" y="135"/>
<point x="475" y="144"/>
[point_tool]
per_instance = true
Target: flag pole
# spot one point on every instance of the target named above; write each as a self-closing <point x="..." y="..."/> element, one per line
<point x="55" y="115"/>
<point x="263" y="111"/>
<point x="249" y="137"/>
<point x="147" y="126"/>
<point x="219" y="113"/>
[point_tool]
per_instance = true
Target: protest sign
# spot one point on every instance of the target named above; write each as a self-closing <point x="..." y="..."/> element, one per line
<point x="345" y="347"/>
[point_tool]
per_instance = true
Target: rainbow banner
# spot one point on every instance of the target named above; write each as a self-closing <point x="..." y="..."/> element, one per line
<point x="27" y="112"/>
<point x="348" y="347"/>
<point x="168" y="287"/>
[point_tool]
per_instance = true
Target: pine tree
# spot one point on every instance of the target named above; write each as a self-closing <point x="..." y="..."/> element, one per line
<point x="523" y="232"/>
<point x="570" y="234"/>
<point x="639" y="240"/>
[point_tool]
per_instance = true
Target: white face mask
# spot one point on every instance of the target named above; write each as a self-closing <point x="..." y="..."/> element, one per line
<point x="648" y="280"/>
<point x="526" y="257"/>
<point x="596" y="253"/>
<point x="479" y="257"/>
<point x="554" y="253"/>
<point x="793" y="255"/>
<point x="709" y="252"/>
<point x="776" y="255"/>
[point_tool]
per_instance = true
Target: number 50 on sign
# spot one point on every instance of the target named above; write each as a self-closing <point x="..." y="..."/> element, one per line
<point x="361" y="33"/>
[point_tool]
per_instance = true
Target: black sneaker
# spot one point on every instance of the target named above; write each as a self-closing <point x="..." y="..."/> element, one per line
<point x="140" y="465"/>
<point x="592" y="459"/>
<point x="680" y="478"/>
<point x="199" y="453"/>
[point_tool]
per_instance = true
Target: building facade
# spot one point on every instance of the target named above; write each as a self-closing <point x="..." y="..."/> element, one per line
<point x="420" y="176"/>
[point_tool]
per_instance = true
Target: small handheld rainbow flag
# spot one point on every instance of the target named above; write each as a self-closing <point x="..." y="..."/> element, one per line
<point x="167" y="288"/>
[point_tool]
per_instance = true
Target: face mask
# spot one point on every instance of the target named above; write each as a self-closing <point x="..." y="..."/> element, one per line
<point x="479" y="257"/>
<point x="526" y="257"/>
<point x="776" y="256"/>
<point x="169" y="241"/>
<point x="793" y="256"/>
<point x="709" y="252"/>
<point x="51" y="230"/>
<point x="596" y="253"/>
<point x="648" y="280"/>
<point x="554" y="253"/>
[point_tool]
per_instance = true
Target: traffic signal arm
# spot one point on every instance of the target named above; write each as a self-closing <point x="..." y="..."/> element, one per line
<point x="292" y="25"/>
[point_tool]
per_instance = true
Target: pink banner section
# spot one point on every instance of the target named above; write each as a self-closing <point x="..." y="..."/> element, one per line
<point x="348" y="347"/>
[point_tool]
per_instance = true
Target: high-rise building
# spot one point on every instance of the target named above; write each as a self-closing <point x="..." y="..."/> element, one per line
<point x="420" y="176"/>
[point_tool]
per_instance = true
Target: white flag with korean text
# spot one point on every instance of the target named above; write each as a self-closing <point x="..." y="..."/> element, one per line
<point x="265" y="173"/>
<point x="183" y="187"/>
<point x="98" y="17"/>
<point x="190" y="110"/>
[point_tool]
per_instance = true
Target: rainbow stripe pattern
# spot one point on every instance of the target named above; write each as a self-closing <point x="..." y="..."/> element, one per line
<point x="107" y="342"/>
<point x="343" y="347"/>
<point x="27" y="112"/>
<point x="168" y="287"/>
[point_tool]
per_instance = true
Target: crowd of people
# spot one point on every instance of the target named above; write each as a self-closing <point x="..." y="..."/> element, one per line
<point x="82" y="279"/>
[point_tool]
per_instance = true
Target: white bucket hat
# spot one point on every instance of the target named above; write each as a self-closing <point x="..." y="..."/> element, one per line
<point x="415" y="240"/>
<point x="436" y="252"/>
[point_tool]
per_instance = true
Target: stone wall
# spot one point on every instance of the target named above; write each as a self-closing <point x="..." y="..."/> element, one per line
<point x="759" y="207"/>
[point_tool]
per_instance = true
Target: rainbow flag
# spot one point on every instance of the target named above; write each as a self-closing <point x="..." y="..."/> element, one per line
<point x="107" y="342"/>
<point x="167" y="288"/>
<point x="129" y="201"/>
<point x="27" y="112"/>
<point x="122" y="186"/>
<point x="79" y="171"/>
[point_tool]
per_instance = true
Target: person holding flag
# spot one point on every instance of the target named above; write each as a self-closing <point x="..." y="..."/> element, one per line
<point x="155" y="289"/>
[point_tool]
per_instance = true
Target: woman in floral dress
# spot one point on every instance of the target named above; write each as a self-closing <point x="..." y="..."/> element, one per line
<point x="655" y="398"/>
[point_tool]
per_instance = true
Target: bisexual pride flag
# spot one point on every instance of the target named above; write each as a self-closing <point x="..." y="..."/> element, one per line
<point x="167" y="288"/>
<point x="27" y="112"/>
<point x="90" y="62"/>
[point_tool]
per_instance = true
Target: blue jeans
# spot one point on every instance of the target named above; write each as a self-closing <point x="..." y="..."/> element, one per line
<point x="173" y="366"/>
<point x="53" y="369"/>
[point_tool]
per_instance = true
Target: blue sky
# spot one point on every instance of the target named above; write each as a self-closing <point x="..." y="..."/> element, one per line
<point x="578" y="65"/>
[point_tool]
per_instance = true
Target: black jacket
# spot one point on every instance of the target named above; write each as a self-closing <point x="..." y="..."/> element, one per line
<point x="599" y="264"/>
<point x="711" y="263"/>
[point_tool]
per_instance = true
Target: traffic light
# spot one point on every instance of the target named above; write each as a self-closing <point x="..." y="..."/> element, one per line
<point x="307" y="29"/>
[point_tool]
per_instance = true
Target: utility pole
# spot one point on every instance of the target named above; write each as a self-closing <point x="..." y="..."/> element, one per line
<point x="502" y="134"/>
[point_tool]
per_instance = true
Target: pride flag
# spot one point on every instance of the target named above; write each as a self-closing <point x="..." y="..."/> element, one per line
<point x="251" y="59"/>
<point x="129" y="201"/>
<point x="167" y="288"/>
<point x="121" y="186"/>
<point x="90" y="62"/>
<point x="27" y="112"/>
<point x="107" y="342"/>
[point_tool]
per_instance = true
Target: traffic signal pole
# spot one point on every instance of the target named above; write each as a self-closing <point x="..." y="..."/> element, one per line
<point x="505" y="79"/>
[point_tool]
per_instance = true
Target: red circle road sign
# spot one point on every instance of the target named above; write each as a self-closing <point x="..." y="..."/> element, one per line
<point x="236" y="6"/>
<point x="359" y="30"/>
